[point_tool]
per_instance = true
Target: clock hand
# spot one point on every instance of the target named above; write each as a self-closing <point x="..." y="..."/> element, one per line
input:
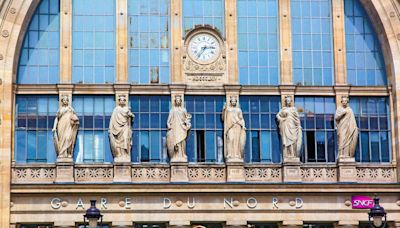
<point x="201" y="51"/>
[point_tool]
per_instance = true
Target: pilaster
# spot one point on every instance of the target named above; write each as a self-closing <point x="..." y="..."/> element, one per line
<point x="65" y="41"/>
<point x="347" y="170"/>
<point x="176" y="41"/>
<point x="179" y="172"/>
<point x="231" y="40"/>
<point x="122" y="41"/>
<point x="285" y="33"/>
<point x="339" y="42"/>
<point x="347" y="224"/>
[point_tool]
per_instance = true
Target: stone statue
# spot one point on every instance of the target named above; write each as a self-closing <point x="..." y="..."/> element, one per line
<point x="65" y="129"/>
<point x="347" y="130"/>
<point x="120" y="131"/>
<point x="234" y="131"/>
<point x="178" y="129"/>
<point x="290" y="130"/>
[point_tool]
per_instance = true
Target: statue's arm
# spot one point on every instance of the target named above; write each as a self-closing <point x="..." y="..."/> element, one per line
<point x="55" y="122"/>
<point x="340" y="113"/>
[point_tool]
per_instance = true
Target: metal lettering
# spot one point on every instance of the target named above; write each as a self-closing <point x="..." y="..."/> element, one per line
<point x="252" y="202"/>
<point x="167" y="203"/>
<point x="229" y="203"/>
<point x="55" y="203"/>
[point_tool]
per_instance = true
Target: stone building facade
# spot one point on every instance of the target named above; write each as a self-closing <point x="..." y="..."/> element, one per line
<point x="259" y="52"/>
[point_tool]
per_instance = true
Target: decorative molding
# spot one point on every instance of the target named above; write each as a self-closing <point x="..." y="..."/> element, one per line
<point x="150" y="174"/>
<point x="93" y="174"/>
<point x="37" y="174"/>
<point x="263" y="174"/>
<point x="318" y="174"/>
<point x="376" y="174"/>
<point x="207" y="174"/>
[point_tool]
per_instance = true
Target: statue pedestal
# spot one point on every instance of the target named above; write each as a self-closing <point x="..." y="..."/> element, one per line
<point x="235" y="172"/>
<point x="347" y="169"/>
<point x="179" y="172"/>
<point x="122" y="172"/>
<point x="291" y="170"/>
<point x="65" y="170"/>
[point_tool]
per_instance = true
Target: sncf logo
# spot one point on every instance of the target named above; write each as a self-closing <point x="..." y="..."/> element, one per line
<point x="362" y="202"/>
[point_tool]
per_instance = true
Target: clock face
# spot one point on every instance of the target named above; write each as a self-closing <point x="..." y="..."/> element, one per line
<point x="204" y="48"/>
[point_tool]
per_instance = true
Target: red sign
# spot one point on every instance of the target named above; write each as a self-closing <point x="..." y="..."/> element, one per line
<point x="362" y="202"/>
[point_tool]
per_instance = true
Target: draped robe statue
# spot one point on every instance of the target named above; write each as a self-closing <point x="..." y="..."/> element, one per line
<point x="178" y="128"/>
<point x="65" y="129"/>
<point x="347" y="130"/>
<point x="234" y="131"/>
<point x="290" y="130"/>
<point x="120" y="131"/>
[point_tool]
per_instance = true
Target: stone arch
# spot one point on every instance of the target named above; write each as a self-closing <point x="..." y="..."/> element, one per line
<point x="15" y="16"/>
<point x="386" y="22"/>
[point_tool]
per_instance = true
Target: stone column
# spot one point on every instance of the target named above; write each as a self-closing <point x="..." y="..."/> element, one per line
<point x="291" y="167"/>
<point x="235" y="169"/>
<point x="122" y="224"/>
<point x="231" y="40"/>
<point x="65" y="41"/>
<point x="176" y="42"/>
<point x="339" y="42"/>
<point x="65" y="166"/>
<point x="64" y="224"/>
<point x="122" y="41"/>
<point x="347" y="166"/>
<point x="122" y="169"/>
<point x="179" y="170"/>
<point x="285" y="34"/>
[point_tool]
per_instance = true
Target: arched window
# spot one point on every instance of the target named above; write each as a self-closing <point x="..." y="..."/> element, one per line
<point x="149" y="41"/>
<point x="312" y="42"/>
<point x="203" y="12"/>
<point x="93" y="41"/>
<point x="365" y="65"/>
<point x="257" y="27"/>
<point x="40" y="53"/>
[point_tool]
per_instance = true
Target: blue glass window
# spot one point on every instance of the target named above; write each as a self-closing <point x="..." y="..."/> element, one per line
<point x="40" y="54"/>
<point x="373" y="121"/>
<point x="149" y="29"/>
<point x="92" y="143"/>
<point x="93" y="39"/>
<point x="365" y="65"/>
<point x="33" y="123"/>
<point x="149" y="128"/>
<point x="203" y="12"/>
<point x="259" y="113"/>
<point x="205" y="142"/>
<point x="319" y="136"/>
<point x="312" y="42"/>
<point x="258" y="42"/>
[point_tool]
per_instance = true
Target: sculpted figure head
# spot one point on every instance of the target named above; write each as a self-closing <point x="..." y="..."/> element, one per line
<point x="64" y="100"/>
<point x="288" y="101"/>
<point x="178" y="100"/>
<point x="233" y="101"/>
<point x="122" y="100"/>
<point x="345" y="101"/>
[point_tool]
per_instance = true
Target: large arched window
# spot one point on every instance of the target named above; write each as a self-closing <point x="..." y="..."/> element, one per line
<point x="40" y="54"/>
<point x="365" y="64"/>
<point x="258" y="42"/>
<point x="312" y="42"/>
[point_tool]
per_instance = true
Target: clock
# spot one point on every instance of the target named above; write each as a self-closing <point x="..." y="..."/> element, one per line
<point x="204" y="48"/>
